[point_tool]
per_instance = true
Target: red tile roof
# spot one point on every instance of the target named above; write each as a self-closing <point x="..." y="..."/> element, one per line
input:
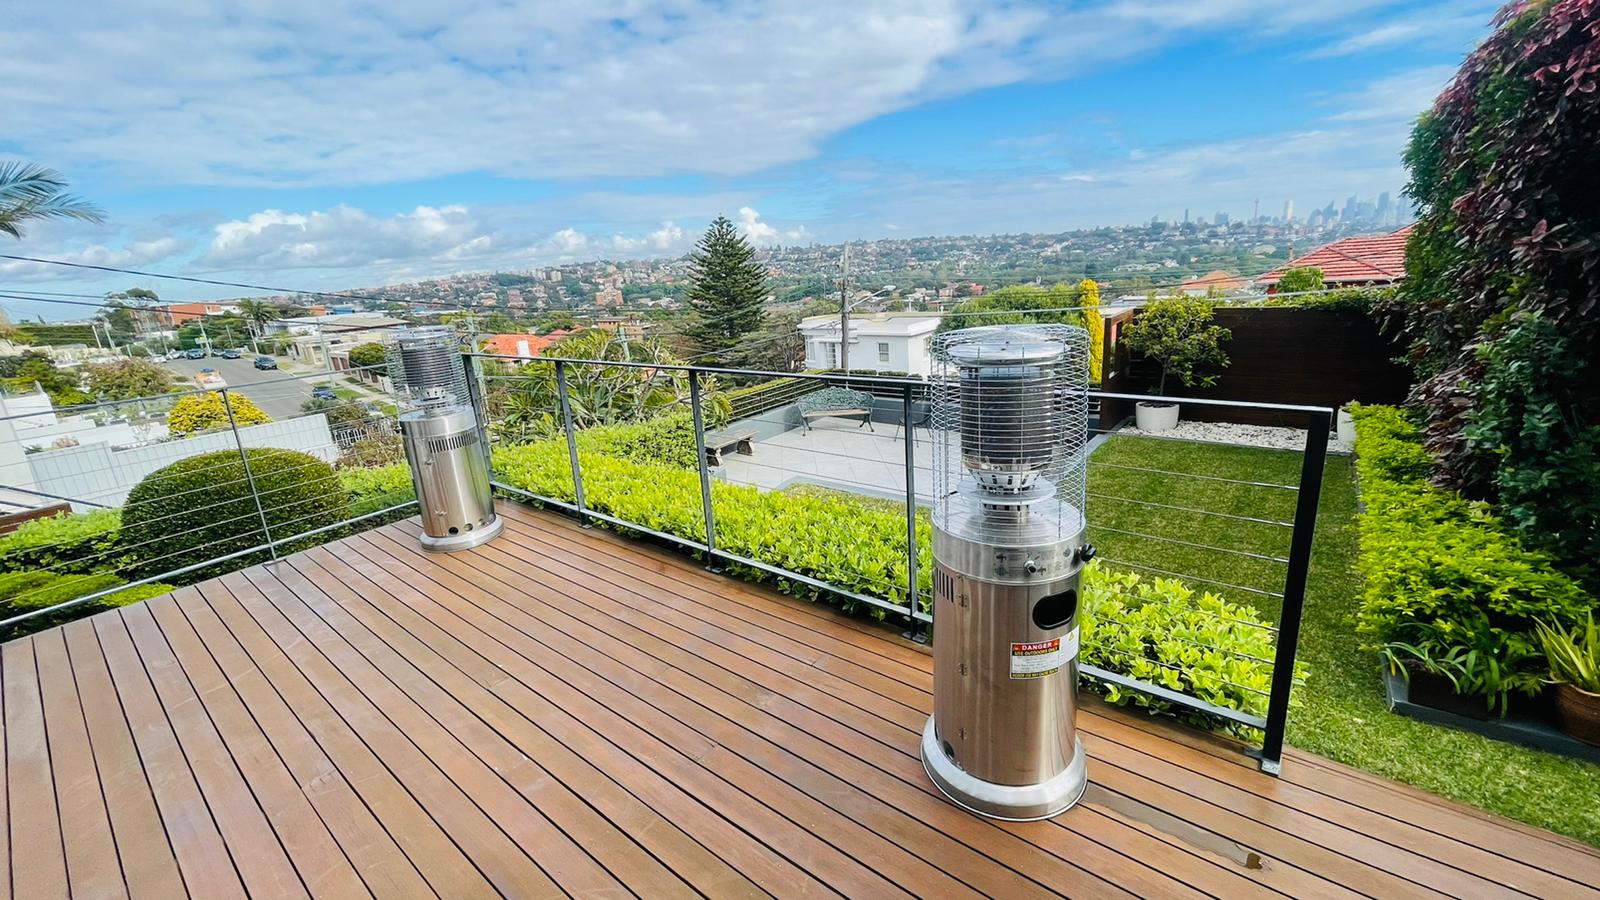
<point x="1372" y="259"/>
<point x="1215" y="279"/>
<point x="507" y="344"/>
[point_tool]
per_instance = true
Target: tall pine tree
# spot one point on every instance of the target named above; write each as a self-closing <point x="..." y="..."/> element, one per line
<point x="726" y="289"/>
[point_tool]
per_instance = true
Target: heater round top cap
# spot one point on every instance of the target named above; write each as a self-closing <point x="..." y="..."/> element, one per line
<point x="1008" y="350"/>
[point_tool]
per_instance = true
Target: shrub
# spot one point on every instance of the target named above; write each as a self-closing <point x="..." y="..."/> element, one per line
<point x="1300" y="280"/>
<point x="206" y="411"/>
<point x="1443" y="573"/>
<point x="1139" y="628"/>
<point x="27" y="591"/>
<point x="666" y="439"/>
<point x="378" y="488"/>
<point x="128" y="379"/>
<point x="201" y="508"/>
<point x="1164" y="632"/>
<point x="74" y="543"/>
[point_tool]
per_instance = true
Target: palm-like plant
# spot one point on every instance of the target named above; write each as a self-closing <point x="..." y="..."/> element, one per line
<point x="30" y="192"/>
<point x="257" y="313"/>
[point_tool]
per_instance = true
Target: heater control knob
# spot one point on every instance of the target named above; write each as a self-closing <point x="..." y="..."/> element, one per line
<point x="1086" y="553"/>
<point x="1032" y="565"/>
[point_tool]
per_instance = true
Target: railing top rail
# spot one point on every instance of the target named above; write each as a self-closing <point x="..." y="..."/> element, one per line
<point x="1199" y="401"/>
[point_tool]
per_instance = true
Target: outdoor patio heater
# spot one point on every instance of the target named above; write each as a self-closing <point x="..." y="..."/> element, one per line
<point x="1010" y="427"/>
<point x="439" y="427"/>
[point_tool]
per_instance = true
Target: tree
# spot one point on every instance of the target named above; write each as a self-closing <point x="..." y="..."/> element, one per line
<point x="35" y="368"/>
<point x="257" y="314"/>
<point x="205" y="412"/>
<point x="1179" y="334"/>
<point x="30" y="192"/>
<point x="128" y="379"/>
<point x="777" y="347"/>
<point x="370" y="354"/>
<point x="1299" y="280"/>
<point x="1089" y="299"/>
<point x="726" y="290"/>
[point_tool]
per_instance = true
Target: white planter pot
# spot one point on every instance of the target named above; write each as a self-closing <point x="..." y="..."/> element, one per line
<point x="1156" y="416"/>
<point x="1346" y="428"/>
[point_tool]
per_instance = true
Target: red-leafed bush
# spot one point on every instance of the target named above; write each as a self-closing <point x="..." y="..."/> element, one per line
<point x="1503" y="276"/>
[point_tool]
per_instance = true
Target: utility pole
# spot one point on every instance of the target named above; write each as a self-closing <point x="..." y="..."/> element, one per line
<point x="327" y="357"/>
<point x="844" y="311"/>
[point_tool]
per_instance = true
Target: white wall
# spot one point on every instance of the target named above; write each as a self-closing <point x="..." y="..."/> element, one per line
<point x="907" y="353"/>
<point x="97" y="472"/>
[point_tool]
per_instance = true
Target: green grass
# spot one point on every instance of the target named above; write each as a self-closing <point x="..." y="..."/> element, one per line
<point x="1343" y="715"/>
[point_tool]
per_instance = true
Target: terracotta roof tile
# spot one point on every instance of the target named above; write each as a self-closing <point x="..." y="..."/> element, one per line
<point x="1370" y="259"/>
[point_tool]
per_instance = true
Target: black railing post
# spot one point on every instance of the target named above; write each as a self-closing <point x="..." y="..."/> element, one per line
<point x="702" y="464"/>
<point x="572" y="436"/>
<point x="910" y="430"/>
<point x="1294" y="589"/>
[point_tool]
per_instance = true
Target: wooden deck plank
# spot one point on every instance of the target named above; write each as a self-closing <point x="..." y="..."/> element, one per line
<point x="575" y="827"/>
<point x="93" y="869"/>
<point x="505" y="864"/>
<point x="148" y="865"/>
<point x="472" y="679"/>
<point x="378" y="860"/>
<point x="570" y="712"/>
<point x="429" y="847"/>
<point x="39" y="861"/>
<point x="203" y="859"/>
<point x="323" y="868"/>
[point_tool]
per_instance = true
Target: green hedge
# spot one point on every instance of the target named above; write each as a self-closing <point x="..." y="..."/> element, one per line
<point x="26" y="591"/>
<point x="68" y="543"/>
<point x="378" y="488"/>
<point x="201" y="508"/>
<point x="1158" y="630"/>
<point x="1448" y="587"/>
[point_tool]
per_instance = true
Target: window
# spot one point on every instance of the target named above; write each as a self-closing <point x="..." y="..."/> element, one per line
<point x="832" y="355"/>
<point x="883" y="352"/>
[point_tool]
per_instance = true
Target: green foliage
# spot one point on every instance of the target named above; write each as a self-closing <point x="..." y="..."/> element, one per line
<point x="1300" y="280"/>
<point x="201" y="508"/>
<point x="128" y="379"/>
<point x="1364" y="300"/>
<point x="29" y="192"/>
<point x="377" y="488"/>
<point x="206" y="411"/>
<point x="1095" y="324"/>
<point x="69" y="543"/>
<point x="34" y="367"/>
<point x="370" y="354"/>
<point x="1178" y="333"/>
<point x="31" y="590"/>
<point x="727" y="288"/>
<point x="1443" y="573"/>
<point x="1574" y="654"/>
<point x="1162" y="631"/>
<point x="1545" y="454"/>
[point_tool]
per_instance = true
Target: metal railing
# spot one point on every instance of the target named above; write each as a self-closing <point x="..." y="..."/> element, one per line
<point x="865" y="463"/>
<point x="258" y="492"/>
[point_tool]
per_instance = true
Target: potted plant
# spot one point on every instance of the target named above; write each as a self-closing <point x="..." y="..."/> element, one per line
<point x="1574" y="657"/>
<point x="1180" y="335"/>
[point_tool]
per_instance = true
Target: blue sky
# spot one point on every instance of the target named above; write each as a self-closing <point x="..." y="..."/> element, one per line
<point x="327" y="145"/>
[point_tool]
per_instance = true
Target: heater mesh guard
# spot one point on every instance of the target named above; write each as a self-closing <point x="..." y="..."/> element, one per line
<point x="1009" y="417"/>
<point x="426" y="369"/>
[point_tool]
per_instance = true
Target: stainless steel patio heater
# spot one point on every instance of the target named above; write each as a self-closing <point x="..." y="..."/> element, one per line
<point x="439" y="427"/>
<point x="1010" y="425"/>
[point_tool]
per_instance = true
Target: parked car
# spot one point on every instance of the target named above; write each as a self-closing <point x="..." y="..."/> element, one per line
<point x="266" y="362"/>
<point x="217" y="351"/>
<point x="231" y="353"/>
<point x="174" y="354"/>
<point x="323" y="393"/>
<point x="196" y="353"/>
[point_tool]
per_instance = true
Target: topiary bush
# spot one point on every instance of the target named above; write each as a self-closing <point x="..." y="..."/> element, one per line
<point x="76" y="543"/>
<point x="200" y="508"/>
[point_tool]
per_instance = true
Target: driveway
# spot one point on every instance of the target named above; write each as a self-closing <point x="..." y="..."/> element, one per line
<point x="277" y="392"/>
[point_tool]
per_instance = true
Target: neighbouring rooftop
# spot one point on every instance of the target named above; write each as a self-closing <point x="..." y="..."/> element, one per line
<point x="1369" y="259"/>
<point x="565" y="711"/>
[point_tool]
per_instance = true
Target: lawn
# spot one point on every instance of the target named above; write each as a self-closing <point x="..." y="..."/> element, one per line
<point x="1342" y="713"/>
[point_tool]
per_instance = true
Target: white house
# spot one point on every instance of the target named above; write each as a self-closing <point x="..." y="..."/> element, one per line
<point x="879" y="342"/>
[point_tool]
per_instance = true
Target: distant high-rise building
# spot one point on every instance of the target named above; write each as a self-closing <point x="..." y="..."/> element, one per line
<point x="1288" y="211"/>
<point x="1186" y="216"/>
<point x="1351" y="209"/>
<point x="1383" y="203"/>
<point x="1221" y="218"/>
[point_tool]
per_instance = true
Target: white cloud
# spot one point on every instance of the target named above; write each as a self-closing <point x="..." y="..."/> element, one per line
<point x="761" y="233"/>
<point x="1399" y="97"/>
<point x="131" y="254"/>
<point x="668" y="237"/>
<point x="311" y="93"/>
<point x="344" y="237"/>
<point x="1455" y="25"/>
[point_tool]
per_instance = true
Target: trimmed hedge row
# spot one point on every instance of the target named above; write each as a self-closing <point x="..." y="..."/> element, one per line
<point x="1158" y="630"/>
<point x="25" y="591"/>
<point x="1448" y="588"/>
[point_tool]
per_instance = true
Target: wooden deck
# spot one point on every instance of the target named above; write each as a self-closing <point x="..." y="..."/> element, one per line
<point x="565" y="712"/>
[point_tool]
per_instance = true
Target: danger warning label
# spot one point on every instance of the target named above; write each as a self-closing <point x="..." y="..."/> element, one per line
<point x="1036" y="659"/>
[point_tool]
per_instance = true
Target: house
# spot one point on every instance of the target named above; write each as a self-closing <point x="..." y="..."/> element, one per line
<point x="1352" y="262"/>
<point x="520" y="345"/>
<point x="882" y="342"/>
<point x="1215" y="281"/>
<point x="175" y="314"/>
<point x="314" y="335"/>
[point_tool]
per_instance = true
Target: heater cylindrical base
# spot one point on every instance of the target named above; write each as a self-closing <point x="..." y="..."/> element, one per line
<point x="466" y="540"/>
<point x="1013" y="802"/>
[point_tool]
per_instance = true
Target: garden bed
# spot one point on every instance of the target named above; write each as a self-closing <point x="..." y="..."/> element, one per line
<point x="1520" y="726"/>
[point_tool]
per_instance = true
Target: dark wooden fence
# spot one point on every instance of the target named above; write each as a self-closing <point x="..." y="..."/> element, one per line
<point x="1279" y="355"/>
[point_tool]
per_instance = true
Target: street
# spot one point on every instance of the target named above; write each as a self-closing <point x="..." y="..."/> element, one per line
<point x="278" y="393"/>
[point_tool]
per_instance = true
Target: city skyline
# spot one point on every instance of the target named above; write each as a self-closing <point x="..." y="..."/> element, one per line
<point x="322" y="149"/>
